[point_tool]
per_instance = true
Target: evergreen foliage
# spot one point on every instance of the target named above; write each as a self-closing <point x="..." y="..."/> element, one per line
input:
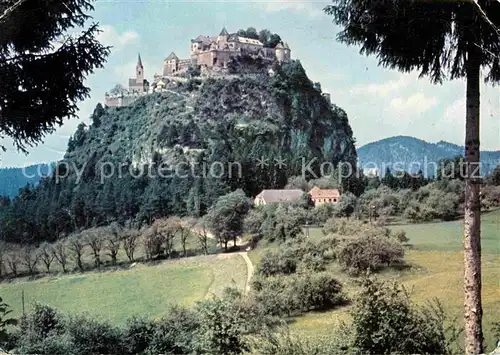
<point x="41" y="85"/>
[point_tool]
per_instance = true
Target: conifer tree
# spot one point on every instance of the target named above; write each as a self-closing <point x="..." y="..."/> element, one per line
<point x="442" y="40"/>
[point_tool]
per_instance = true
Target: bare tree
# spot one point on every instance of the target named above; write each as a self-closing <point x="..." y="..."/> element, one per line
<point x="60" y="251"/>
<point x="30" y="258"/>
<point x="154" y="239"/>
<point x="75" y="246"/>
<point x="13" y="259"/>
<point x="95" y="240"/>
<point x="183" y="229"/>
<point x="130" y="240"/>
<point x="203" y="235"/>
<point x="168" y="229"/>
<point x="112" y="242"/>
<point x="3" y="256"/>
<point x="46" y="254"/>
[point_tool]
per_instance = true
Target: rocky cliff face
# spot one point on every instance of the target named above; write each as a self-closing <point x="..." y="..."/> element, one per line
<point x="243" y="119"/>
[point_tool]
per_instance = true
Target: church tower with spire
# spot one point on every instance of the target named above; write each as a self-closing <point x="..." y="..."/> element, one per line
<point x="139" y="70"/>
<point x="138" y="85"/>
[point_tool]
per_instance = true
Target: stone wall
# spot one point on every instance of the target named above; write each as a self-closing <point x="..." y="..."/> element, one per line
<point x="120" y="101"/>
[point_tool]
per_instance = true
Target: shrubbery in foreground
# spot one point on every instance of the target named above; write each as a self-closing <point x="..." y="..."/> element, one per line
<point x="384" y="321"/>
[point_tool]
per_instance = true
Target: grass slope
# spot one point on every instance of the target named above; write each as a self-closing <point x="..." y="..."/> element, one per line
<point x="437" y="272"/>
<point x="141" y="290"/>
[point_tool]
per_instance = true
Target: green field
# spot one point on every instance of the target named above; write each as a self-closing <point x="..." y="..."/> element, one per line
<point x="140" y="290"/>
<point x="437" y="271"/>
<point x="434" y="252"/>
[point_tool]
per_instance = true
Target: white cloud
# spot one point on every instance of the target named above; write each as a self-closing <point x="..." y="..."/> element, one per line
<point x="110" y="37"/>
<point x="452" y="123"/>
<point x="455" y="112"/>
<point x="384" y="89"/>
<point x="413" y="105"/>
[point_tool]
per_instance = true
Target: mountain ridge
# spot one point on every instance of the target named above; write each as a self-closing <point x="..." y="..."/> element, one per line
<point x="413" y="154"/>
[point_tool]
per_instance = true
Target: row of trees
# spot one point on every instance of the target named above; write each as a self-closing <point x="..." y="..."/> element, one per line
<point x="165" y="238"/>
<point x="268" y="39"/>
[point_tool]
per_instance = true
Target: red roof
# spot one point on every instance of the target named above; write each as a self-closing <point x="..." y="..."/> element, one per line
<point x="316" y="192"/>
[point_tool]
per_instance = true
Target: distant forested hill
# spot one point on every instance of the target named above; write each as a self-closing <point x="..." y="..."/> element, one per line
<point x="12" y="179"/>
<point x="413" y="154"/>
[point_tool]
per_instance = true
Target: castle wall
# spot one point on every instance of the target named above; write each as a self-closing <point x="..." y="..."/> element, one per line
<point x="112" y="101"/>
<point x="205" y="59"/>
<point x="120" y="101"/>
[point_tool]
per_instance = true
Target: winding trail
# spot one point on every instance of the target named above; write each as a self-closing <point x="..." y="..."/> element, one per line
<point x="250" y="270"/>
<point x="243" y="254"/>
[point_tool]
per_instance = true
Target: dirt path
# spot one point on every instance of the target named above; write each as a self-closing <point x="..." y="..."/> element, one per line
<point x="243" y="254"/>
<point x="250" y="270"/>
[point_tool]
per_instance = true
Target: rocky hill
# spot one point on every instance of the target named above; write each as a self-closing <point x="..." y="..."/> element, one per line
<point x="413" y="154"/>
<point x="176" y="151"/>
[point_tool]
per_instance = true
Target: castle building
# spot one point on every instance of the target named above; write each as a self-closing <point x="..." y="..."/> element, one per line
<point x="210" y="52"/>
<point x="138" y="85"/>
<point x="218" y="51"/>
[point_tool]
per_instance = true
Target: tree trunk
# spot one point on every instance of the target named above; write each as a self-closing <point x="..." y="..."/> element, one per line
<point x="472" y="221"/>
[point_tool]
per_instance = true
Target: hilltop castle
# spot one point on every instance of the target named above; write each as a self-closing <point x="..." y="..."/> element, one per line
<point x="214" y="53"/>
<point x="218" y="51"/>
<point x="137" y="87"/>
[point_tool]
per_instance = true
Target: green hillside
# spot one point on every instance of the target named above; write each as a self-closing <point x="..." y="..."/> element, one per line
<point x="142" y="290"/>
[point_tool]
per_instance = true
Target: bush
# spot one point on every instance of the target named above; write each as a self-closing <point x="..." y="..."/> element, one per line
<point x="42" y="332"/>
<point x="318" y="292"/>
<point x="53" y="344"/>
<point x="490" y="197"/>
<point x="45" y="331"/>
<point x="272" y="295"/>
<point x="90" y="336"/>
<point x="299" y="255"/>
<point x="283" y="343"/>
<point x="400" y="235"/>
<point x="293" y="295"/>
<point x="313" y="262"/>
<point x="221" y="328"/>
<point x="371" y="253"/>
<point x="174" y="334"/>
<point x="137" y="335"/>
<point x="384" y="321"/>
<point x="274" y="263"/>
<point x="41" y="322"/>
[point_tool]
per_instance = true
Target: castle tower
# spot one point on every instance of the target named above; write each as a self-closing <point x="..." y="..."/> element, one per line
<point x="280" y="52"/>
<point x="170" y="64"/>
<point x="287" y="52"/>
<point x="223" y="36"/>
<point x="139" y="71"/>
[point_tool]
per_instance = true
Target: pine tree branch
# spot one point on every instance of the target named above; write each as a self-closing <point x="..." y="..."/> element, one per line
<point x="10" y="10"/>
<point x="487" y="51"/>
<point x="485" y="17"/>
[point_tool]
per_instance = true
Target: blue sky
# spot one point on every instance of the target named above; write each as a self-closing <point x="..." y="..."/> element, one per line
<point x="379" y="102"/>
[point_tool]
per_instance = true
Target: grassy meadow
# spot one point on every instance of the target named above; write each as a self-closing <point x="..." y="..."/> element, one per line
<point x="145" y="290"/>
<point x="434" y="254"/>
<point x="436" y="271"/>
